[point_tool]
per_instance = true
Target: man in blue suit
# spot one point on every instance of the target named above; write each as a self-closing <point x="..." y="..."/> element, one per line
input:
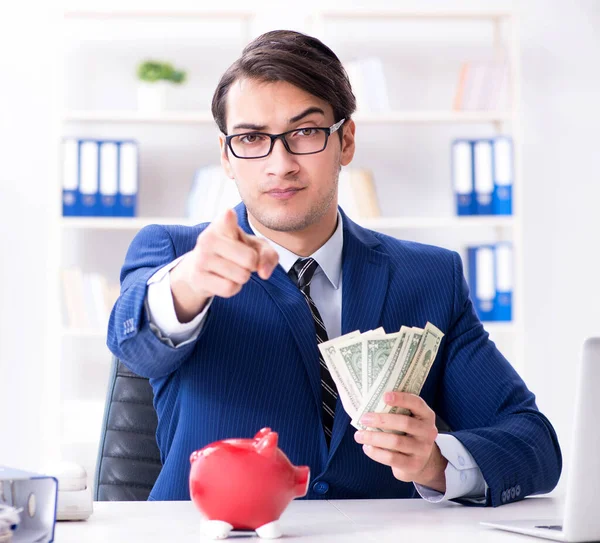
<point x="224" y="318"/>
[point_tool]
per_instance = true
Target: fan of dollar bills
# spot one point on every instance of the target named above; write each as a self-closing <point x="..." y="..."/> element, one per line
<point x="366" y="366"/>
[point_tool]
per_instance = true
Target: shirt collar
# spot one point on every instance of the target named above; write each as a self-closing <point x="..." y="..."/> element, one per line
<point x="328" y="256"/>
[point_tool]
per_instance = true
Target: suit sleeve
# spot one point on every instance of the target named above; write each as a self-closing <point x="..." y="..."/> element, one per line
<point x="130" y="337"/>
<point x="491" y="410"/>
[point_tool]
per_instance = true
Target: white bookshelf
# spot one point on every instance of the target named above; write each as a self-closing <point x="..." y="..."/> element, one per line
<point x="183" y="117"/>
<point x="86" y="231"/>
<point x="379" y="223"/>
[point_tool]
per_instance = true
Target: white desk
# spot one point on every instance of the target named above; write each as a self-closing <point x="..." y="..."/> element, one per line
<point x="345" y="521"/>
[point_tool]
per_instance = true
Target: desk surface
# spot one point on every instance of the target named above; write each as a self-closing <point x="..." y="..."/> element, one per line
<point x="314" y="521"/>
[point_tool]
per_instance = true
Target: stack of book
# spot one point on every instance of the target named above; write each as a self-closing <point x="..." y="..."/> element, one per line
<point x="100" y="178"/>
<point x="482" y="174"/>
<point x="211" y="194"/>
<point x="369" y="86"/>
<point x="482" y="86"/>
<point x="89" y="299"/>
<point x="357" y="195"/>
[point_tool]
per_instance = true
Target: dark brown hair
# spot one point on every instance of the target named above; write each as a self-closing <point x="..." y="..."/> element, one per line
<point x="285" y="55"/>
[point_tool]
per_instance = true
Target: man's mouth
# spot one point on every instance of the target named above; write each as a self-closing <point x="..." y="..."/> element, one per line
<point x="283" y="193"/>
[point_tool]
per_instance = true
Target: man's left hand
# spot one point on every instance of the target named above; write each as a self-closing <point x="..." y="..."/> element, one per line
<point x="413" y="457"/>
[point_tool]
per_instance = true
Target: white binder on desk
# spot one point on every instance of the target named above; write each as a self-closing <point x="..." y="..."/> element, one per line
<point x="35" y="497"/>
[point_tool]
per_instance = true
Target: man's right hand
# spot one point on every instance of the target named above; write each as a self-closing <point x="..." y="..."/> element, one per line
<point x="219" y="265"/>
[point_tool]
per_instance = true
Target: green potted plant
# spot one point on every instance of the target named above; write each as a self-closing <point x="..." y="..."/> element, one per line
<point x="154" y="78"/>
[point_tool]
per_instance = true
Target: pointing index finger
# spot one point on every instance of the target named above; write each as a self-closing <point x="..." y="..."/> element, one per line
<point x="267" y="256"/>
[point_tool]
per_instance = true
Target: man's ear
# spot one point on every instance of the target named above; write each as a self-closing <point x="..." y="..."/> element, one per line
<point x="225" y="157"/>
<point x="348" y="145"/>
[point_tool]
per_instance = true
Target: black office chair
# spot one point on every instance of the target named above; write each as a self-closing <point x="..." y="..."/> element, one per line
<point x="128" y="456"/>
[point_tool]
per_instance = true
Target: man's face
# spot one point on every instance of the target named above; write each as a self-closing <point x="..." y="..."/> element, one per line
<point x="285" y="192"/>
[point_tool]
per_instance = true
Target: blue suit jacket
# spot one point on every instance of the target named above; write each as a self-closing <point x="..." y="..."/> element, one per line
<point x="256" y="364"/>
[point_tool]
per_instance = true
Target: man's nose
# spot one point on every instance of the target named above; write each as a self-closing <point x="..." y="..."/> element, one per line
<point x="280" y="162"/>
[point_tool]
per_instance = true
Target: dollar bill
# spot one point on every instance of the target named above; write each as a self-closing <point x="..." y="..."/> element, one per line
<point x="426" y="353"/>
<point x="349" y="393"/>
<point x="391" y="377"/>
<point x="351" y="352"/>
<point x="366" y="366"/>
<point x="417" y="369"/>
<point x="375" y="354"/>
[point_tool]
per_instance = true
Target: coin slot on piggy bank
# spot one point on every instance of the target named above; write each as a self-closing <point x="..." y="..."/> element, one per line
<point x="245" y="484"/>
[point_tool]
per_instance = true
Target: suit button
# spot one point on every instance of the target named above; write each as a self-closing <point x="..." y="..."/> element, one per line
<point x="518" y="490"/>
<point x="513" y="492"/>
<point x="463" y="476"/>
<point x="503" y="497"/>
<point x="461" y="460"/>
<point x="321" y="487"/>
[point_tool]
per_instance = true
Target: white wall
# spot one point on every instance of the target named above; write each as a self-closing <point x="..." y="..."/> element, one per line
<point x="561" y="162"/>
<point x="28" y="97"/>
<point x="560" y="89"/>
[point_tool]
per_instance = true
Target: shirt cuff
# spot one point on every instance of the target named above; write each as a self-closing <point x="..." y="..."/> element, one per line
<point x="463" y="476"/>
<point x="161" y="311"/>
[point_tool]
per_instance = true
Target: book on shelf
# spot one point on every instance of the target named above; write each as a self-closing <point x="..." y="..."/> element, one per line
<point x="482" y="175"/>
<point x="88" y="299"/>
<point x="482" y="85"/>
<point x="212" y="192"/>
<point x="490" y="273"/>
<point x="367" y="77"/>
<point x="357" y="194"/>
<point x="99" y="177"/>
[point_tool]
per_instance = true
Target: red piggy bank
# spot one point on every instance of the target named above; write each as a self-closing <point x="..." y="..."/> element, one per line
<point x="245" y="484"/>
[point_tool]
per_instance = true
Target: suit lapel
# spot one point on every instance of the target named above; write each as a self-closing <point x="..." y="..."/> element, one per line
<point x="365" y="277"/>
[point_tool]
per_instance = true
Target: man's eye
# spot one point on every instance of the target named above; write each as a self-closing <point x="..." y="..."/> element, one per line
<point x="252" y="138"/>
<point x="305" y="132"/>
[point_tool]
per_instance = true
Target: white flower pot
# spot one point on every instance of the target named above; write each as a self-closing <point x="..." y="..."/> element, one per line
<point x="152" y="97"/>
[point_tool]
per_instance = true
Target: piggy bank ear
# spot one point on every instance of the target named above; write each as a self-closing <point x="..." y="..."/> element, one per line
<point x="262" y="433"/>
<point x="267" y="446"/>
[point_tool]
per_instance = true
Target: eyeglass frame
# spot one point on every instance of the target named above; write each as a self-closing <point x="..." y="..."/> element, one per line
<point x="274" y="137"/>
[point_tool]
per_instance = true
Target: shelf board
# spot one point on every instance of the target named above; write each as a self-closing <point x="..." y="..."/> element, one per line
<point x="330" y="13"/>
<point x="151" y="14"/>
<point x="494" y="327"/>
<point x="84" y="332"/>
<point x="433" y="117"/>
<point x="119" y="223"/>
<point x="417" y="14"/>
<point x="115" y="116"/>
<point x="406" y="223"/>
<point x="381" y="223"/>
<point x="205" y="117"/>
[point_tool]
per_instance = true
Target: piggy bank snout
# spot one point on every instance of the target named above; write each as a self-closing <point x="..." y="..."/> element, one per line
<point x="302" y="480"/>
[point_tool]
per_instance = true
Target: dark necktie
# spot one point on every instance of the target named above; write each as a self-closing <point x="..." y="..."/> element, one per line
<point x="302" y="273"/>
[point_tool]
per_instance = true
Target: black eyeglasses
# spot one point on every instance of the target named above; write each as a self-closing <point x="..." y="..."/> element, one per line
<point x="300" y="141"/>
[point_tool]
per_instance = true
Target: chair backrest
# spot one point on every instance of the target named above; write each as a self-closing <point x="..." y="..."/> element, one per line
<point x="128" y="456"/>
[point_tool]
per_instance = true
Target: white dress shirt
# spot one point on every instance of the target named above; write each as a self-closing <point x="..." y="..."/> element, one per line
<point x="463" y="477"/>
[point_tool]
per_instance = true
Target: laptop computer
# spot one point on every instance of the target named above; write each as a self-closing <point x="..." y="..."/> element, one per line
<point x="581" y="520"/>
